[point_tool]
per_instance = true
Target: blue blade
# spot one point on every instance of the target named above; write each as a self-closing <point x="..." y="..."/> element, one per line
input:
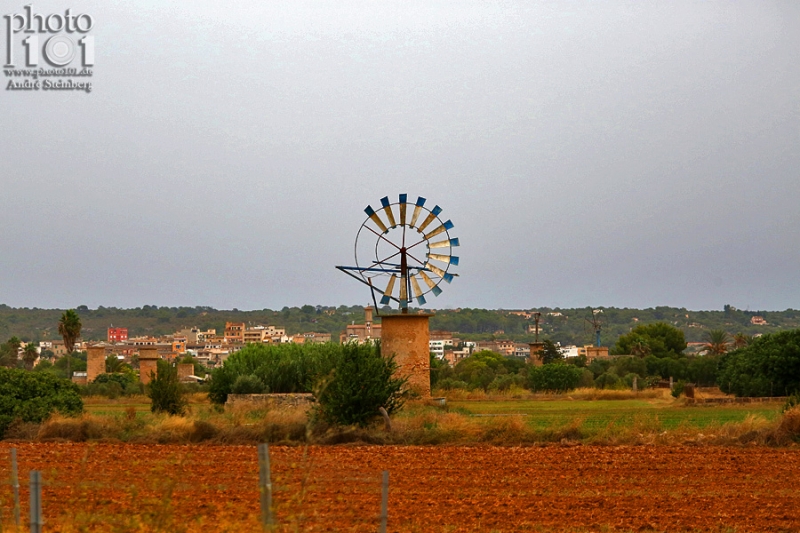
<point x="403" y="198"/>
<point x="420" y="201"/>
<point x="385" y="300"/>
<point x="369" y="211"/>
<point x="454" y="242"/>
<point x="436" y="291"/>
<point x="454" y="260"/>
<point x="385" y="201"/>
<point x="421" y="300"/>
<point x="448" y="278"/>
<point x="448" y="225"/>
<point x="436" y="210"/>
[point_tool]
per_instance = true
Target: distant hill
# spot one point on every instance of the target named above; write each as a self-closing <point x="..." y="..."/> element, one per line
<point x="567" y="326"/>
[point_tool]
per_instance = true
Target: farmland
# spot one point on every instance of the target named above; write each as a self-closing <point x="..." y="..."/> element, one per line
<point x="123" y="487"/>
<point x="594" y="414"/>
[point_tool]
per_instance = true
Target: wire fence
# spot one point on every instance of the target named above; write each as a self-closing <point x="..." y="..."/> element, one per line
<point x="184" y="490"/>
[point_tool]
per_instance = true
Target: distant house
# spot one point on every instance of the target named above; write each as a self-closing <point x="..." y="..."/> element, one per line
<point x="362" y="333"/>
<point x="758" y="321"/>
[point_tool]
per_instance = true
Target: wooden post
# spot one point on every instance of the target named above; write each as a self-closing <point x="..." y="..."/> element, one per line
<point x="36" y="501"/>
<point x="384" y="502"/>
<point x="671" y="384"/>
<point x="265" y="486"/>
<point x="635" y="384"/>
<point x="15" y="485"/>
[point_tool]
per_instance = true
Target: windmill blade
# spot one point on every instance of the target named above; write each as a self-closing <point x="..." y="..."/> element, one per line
<point x="387" y="294"/>
<point x="403" y="289"/>
<point x="373" y="216"/>
<point x="403" y="202"/>
<point x="430" y="283"/>
<point x="444" y="227"/>
<point x="431" y="216"/>
<point x="417" y="291"/>
<point x="417" y="210"/>
<point x="387" y="208"/>
<point x="444" y="244"/>
<point x="452" y="259"/>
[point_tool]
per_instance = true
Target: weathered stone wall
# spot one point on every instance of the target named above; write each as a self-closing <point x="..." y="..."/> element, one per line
<point x="407" y="337"/>
<point x="274" y="401"/>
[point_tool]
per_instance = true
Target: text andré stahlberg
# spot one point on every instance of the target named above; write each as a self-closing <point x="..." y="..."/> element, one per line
<point x="65" y="37"/>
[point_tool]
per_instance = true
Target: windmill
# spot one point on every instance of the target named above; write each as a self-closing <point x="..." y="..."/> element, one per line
<point x="594" y="324"/>
<point x="403" y="251"/>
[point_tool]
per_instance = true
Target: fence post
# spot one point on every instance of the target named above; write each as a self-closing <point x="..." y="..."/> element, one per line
<point x="635" y="384"/>
<point x="15" y="485"/>
<point x="265" y="486"/>
<point x="384" y="502"/>
<point x="36" y="501"/>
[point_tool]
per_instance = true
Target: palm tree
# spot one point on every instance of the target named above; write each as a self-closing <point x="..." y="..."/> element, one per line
<point x="69" y="327"/>
<point x="718" y="340"/>
<point x="29" y="356"/>
<point x="740" y="340"/>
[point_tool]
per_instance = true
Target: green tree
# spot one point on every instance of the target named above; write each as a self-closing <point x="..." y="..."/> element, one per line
<point x="769" y="366"/>
<point x="29" y="356"/>
<point x="554" y="377"/>
<point x="717" y="341"/>
<point x="33" y="396"/>
<point x="361" y="383"/>
<point x="165" y="391"/>
<point x="9" y="352"/>
<point x="114" y="364"/>
<point x="661" y="339"/>
<point x="550" y="353"/>
<point x="69" y="327"/>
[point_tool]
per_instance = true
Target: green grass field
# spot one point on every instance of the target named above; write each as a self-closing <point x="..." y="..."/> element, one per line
<point x="601" y="413"/>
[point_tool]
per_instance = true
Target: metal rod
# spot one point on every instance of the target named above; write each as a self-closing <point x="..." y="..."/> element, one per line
<point x="15" y="485"/>
<point x="265" y="486"/>
<point x="36" y="501"/>
<point x="384" y="502"/>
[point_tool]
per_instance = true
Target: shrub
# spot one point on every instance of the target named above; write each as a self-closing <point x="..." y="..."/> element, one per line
<point x="587" y="378"/>
<point x="769" y="366"/>
<point x="555" y="377"/>
<point x="678" y="388"/>
<point x="451" y="383"/>
<point x="33" y="396"/>
<point x="248" y="385"/>
<point x="165" y="392"/>
<point x="281" y="367"/>
<point x="506" y="381"/>
<point x="608" y="380"/>
<point x="480" y="369"/>
<point x="361" y="382"/>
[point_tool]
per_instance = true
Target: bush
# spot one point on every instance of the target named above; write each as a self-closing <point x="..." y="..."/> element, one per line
<point x="769" y="366"/>
<point x="677" y="389"/>
<point x="361" y="382"/>
<point x="33" y="396"/>
<point x="165" y="392"/>
<point x="608" y="380"/>
<point x="555" y="377"/>
<point x="280" y="367"/>
<point x="451" y="383"/>
<point x="480" y="369"/>
<point x="506" y="381"/>
<point x="248" y="385"/>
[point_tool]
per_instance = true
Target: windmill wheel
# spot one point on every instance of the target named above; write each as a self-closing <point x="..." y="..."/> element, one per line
<point x="404" y="251"/>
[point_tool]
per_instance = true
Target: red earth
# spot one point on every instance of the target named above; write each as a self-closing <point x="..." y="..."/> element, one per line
<point x="119" y="487"/>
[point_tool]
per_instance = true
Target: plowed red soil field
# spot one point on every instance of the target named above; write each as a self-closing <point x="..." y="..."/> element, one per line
<point x="111" y="487"/>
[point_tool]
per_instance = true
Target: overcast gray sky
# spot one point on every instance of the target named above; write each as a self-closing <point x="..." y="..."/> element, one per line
<point x="589" y="153"/>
